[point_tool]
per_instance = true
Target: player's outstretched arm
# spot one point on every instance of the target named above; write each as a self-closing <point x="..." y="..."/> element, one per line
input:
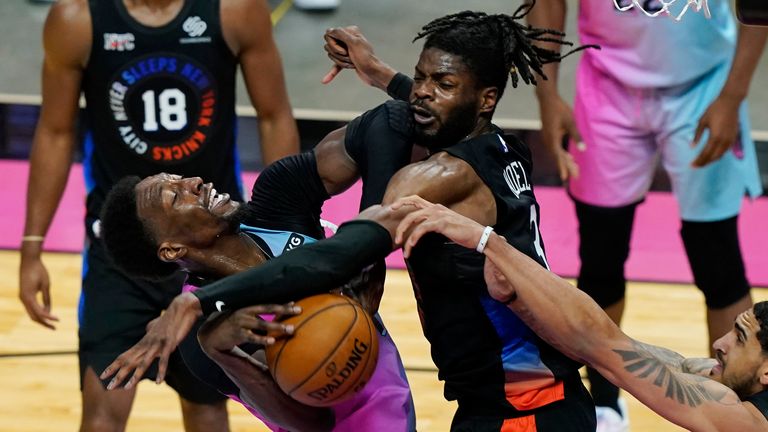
<point x="53" y="145"/>
<point x="573" y="323"/>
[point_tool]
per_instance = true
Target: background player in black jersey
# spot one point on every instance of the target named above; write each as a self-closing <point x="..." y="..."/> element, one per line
<point x="727" y="394"/>
<point x="158" y="77"/>
<point x="500" y="373"/>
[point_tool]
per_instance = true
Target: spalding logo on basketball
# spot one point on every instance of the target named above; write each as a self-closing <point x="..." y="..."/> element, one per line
<point x="332" y="354"/>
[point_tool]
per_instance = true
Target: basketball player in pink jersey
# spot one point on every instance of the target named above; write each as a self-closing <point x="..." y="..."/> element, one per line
<point x="658" y="88"/>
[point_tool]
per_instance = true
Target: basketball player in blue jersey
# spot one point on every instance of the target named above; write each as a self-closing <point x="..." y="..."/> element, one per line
<point x="158" y="78"/>
<point x="154" y="226"/>
<point x="658" y="90"/>
<point x="726" y="394"/>
<point x="502" y="376"/>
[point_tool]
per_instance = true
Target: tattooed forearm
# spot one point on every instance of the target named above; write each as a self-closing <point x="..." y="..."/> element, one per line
<point x="665" y="368"/>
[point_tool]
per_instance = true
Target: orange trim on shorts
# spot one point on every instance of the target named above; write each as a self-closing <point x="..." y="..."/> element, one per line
<point x="520" y="424"/>
<point x="536" y="398"/>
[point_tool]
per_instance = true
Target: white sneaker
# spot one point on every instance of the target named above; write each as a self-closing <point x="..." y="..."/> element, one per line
<point x="608" y="420"/>
<point x="317" y="4"/>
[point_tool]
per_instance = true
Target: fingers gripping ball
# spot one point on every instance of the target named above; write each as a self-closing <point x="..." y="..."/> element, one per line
<point x="331" y="355"/>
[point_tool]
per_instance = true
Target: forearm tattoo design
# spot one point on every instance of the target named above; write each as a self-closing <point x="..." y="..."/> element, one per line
<point x="665" y="368"/>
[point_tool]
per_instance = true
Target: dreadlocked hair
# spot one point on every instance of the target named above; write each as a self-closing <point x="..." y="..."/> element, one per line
<point x="498" y="46"/>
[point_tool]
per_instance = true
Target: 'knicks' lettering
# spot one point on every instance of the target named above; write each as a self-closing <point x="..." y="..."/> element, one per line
<point x="514" y="175"/>
<point x="132" y="141"/>
<point x="179" y="151"/>
<point x="354" y="359"/>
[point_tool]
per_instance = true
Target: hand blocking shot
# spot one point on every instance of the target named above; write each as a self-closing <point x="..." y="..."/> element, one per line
<point x="726" y="394"/>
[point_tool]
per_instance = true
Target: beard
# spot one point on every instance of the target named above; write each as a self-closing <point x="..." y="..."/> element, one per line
<point x="454" y="127"/>
<point x="235" y="218"/>
<point x="743" y="387"/>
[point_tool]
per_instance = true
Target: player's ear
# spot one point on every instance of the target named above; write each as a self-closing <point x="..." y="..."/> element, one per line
<point x="763" y="372"/>
<point x="171" y="252"/>
<point x="488" y="98"/>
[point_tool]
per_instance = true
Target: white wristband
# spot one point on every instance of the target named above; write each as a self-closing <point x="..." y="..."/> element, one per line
<point x="484" y="239"/>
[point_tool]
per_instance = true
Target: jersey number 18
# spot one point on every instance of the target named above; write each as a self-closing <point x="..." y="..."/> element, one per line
<point x="171" y="105"/>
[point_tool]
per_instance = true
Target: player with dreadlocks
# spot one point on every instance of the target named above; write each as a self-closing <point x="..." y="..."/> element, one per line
<point x="501" y="374"/>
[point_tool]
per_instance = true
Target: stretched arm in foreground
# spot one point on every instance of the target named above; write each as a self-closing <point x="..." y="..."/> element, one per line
<point x="311" y="269"/>
<point x="569" y="320"/>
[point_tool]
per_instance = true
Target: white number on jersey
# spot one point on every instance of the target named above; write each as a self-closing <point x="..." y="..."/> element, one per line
<point x="537" y="236"/>
<point x="173" y="110"/>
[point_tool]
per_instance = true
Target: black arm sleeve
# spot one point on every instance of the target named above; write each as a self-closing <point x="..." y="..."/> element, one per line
<point x="400" y="87"/>
<point x="380" y="142"/>
<point x="302" y="272"/>
<point x="288" y="196"/>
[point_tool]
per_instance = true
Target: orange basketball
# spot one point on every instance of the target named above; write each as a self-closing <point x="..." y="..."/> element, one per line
<point x="331" y="355"/>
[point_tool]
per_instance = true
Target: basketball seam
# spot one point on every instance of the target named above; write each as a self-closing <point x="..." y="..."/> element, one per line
<point x="280" y="352"/>
<point x="368" y="358"/>
<point x="341" y="340"/>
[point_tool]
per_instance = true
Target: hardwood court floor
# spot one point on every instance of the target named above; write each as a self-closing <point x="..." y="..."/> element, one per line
<point x="40" y="392"/>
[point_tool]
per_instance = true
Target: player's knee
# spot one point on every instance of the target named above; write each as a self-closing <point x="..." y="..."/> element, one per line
<point x="716" y="262"/>
<point x="103" y="417"/>
<point x="604" y="247"/>
<point x="204" y="416"/>
<point x="101" y="423"/>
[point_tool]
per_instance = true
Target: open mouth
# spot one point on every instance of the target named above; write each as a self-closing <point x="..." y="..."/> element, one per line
<point x="213" y="199"/>
<point x="718" y="368"/>
<point x="422" y="116"/>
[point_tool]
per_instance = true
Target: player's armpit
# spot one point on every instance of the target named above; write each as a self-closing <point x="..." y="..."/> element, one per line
<point x="336" y="168"/>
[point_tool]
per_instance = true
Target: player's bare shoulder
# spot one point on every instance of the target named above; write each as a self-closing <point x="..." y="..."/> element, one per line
<point x="442" y="178"/>
<point x="71" y="18"/>
<point x="244" y="22"/>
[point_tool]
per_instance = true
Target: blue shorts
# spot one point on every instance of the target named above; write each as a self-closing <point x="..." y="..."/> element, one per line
<point x="627" y="130"/>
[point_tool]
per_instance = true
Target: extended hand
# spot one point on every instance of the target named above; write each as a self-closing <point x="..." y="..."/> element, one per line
<point x="245" y="325"/>
<point x="435" y="218"/>
<point x="348" y="48"/>
<point x="163" y="336"/>
<point x="33" y="279"/>
<point x="722" y="120"/>
<point x="557" y="122"/>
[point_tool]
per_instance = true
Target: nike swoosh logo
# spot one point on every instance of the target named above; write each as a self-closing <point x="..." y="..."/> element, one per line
<point x="219" y="305"/>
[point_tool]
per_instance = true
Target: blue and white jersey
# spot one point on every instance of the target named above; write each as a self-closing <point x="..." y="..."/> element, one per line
<point x="644" y="52"/>
<point x="275" y="242"/>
